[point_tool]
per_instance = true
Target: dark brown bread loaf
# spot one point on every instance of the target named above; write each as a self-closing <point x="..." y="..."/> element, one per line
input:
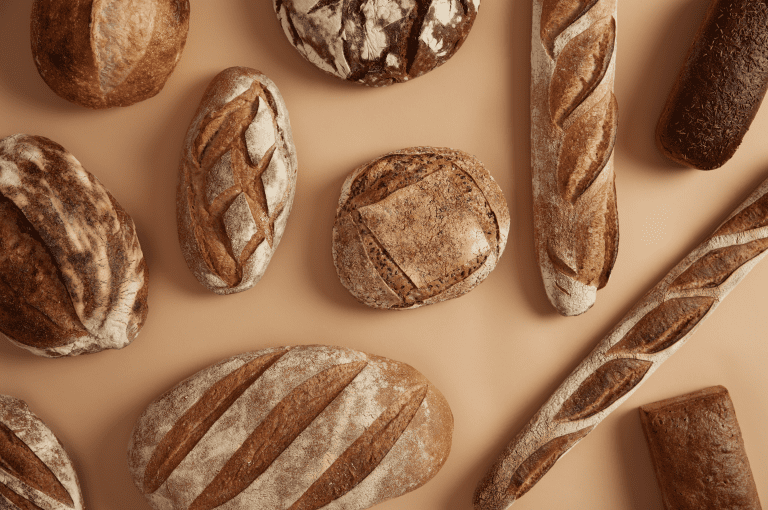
<point x="291" y="428"/>
<point x="574" y="121"/>
<point x="237" y="180"/>
<point x="720" y="86"/>
<point x="653" y="330"/>
<point x="377" y="42"/>
<point x="418" y="226"/>
<point x="72" y="275"/>
<point x="104" y="53"/>
<point x="35" y="471"/>
<point x="698" y="452"/>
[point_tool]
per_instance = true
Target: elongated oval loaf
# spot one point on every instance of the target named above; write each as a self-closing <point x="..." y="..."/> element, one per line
<point x="73" y="278"/>
<point x="104" y="53"/>
<point x="35" y="471"/>
<point x="237" y="180"/>
<point x="291" y="428"/>
<point x="418" y="226"/>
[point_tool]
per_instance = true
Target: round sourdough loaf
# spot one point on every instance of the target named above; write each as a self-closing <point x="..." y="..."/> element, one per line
<point x="291" y="428"/>
<point x="377" y="42"/>
<point x="418" y="226"/>
<point x="35" y="471"/>
<point x="104" y="53"/>
<point x="237" y="179"/>
<point x="72" y="274"/>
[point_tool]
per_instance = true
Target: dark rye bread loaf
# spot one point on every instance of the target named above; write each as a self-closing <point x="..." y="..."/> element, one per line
<point x="377" y="42"/>
<point x="35" y="471"/>
<point x="73" y="278"/>
<point x="418" y="226"/>
<point x="296" y="428"/>
<point x="237" y="180"/>
<point x="104" y="53"/>
<point x="698" y="453"/>
<point x="720" y="86"/>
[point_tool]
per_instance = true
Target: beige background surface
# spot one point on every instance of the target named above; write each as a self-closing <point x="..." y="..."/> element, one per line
<point x="496" y="353"/>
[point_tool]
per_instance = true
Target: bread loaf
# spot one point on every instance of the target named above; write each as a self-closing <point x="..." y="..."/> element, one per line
<point x="574" y="118"/>
<point x="651" y="332"/>
<point x="291" y="428"/>
<point x="73" y="277"/>
<point x="377" y="42"/>
<point x="698" y="453"/>
<point x="35" y="471"/>
<point x="104" y="53"/>
<point x="237" y="179"/>
<point x="720" y="86"/>
<point x="418" y="226"/>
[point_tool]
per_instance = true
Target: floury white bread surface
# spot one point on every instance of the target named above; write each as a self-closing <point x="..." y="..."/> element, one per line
<point x="105" y="53"/>
<point x="74" y="276"/>
<point x="237" y="181"/>
<point x="377" y="42"/>
<point x="374" y="406"/>
<point x="34" y="468"/>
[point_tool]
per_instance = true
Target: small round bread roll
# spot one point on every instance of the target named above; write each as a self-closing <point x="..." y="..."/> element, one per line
<point x="418" y="226"/>
<point x="73" y="279"/>
<point x="377" y="42"/>
<point x="105" y="53"/>
<point x="35" y="471"/>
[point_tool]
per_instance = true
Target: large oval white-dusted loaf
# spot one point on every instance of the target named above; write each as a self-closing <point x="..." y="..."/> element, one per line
<point x="35" y="471"/>
<point x="296" y="428"/>
<point x="237" y="180"/>
<point x="73" y="279"/>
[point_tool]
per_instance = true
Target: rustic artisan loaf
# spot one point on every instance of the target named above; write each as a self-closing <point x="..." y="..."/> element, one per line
<point x="35" y="471"/>
<point x="291" y="428"/>
<point x="237" y="180"/>
<point x="720" y="86"/>
<point x="418" y="226"/>
<point x="72" y="275"/>
<point x="104" y="53"/>
<point x="377" y="42"/>
<point x="698" y="453"/>
<point x="574" y="117"/>
<point x="653" y="330"/>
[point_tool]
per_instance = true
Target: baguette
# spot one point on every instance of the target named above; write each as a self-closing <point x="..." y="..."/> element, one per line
<point x="574" y="118"/>
<point x="653" y="330"/>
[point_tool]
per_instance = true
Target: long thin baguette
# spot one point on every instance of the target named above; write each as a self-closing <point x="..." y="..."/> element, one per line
<point x="574" y="117"/>
<point x="650" y="333"/>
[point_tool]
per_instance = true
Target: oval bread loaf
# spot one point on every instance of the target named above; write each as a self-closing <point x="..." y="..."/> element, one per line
<point x="73" y="278"/>
<point x="104" y="53"/>
<point x="377" y="42"/>
<point x="418" y="226"/>
<point x="35" y="471"/>
<point x="237" y="180"/>
<point x="291" y="428"/>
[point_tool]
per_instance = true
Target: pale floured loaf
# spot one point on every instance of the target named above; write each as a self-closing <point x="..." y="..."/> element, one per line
<point x="35" y="471"/>
<point x="296" y="428"/>
<point x="574" y="117"/>
<point x="237" y="179"/>
<point x="74" y="279"/>
<point x="104" y="53"/>
<point x="377" y="42"/>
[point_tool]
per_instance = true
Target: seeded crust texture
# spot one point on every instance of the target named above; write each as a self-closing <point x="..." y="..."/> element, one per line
<point x="698" y="453"/>
<point x="35" y="471"/>
<point x="296" y="428"/>
<point x="376" y="42"/>
<point x="73" y="278"/>
<point x="105" y="53"/>
<point x="237" y="180"/>
<point x="418" y="226"/>
<point x="653" y="330"/>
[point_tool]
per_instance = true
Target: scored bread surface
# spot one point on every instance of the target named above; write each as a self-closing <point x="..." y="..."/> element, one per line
<point x="356" y="429"/>
<point x="574" y="117"/>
